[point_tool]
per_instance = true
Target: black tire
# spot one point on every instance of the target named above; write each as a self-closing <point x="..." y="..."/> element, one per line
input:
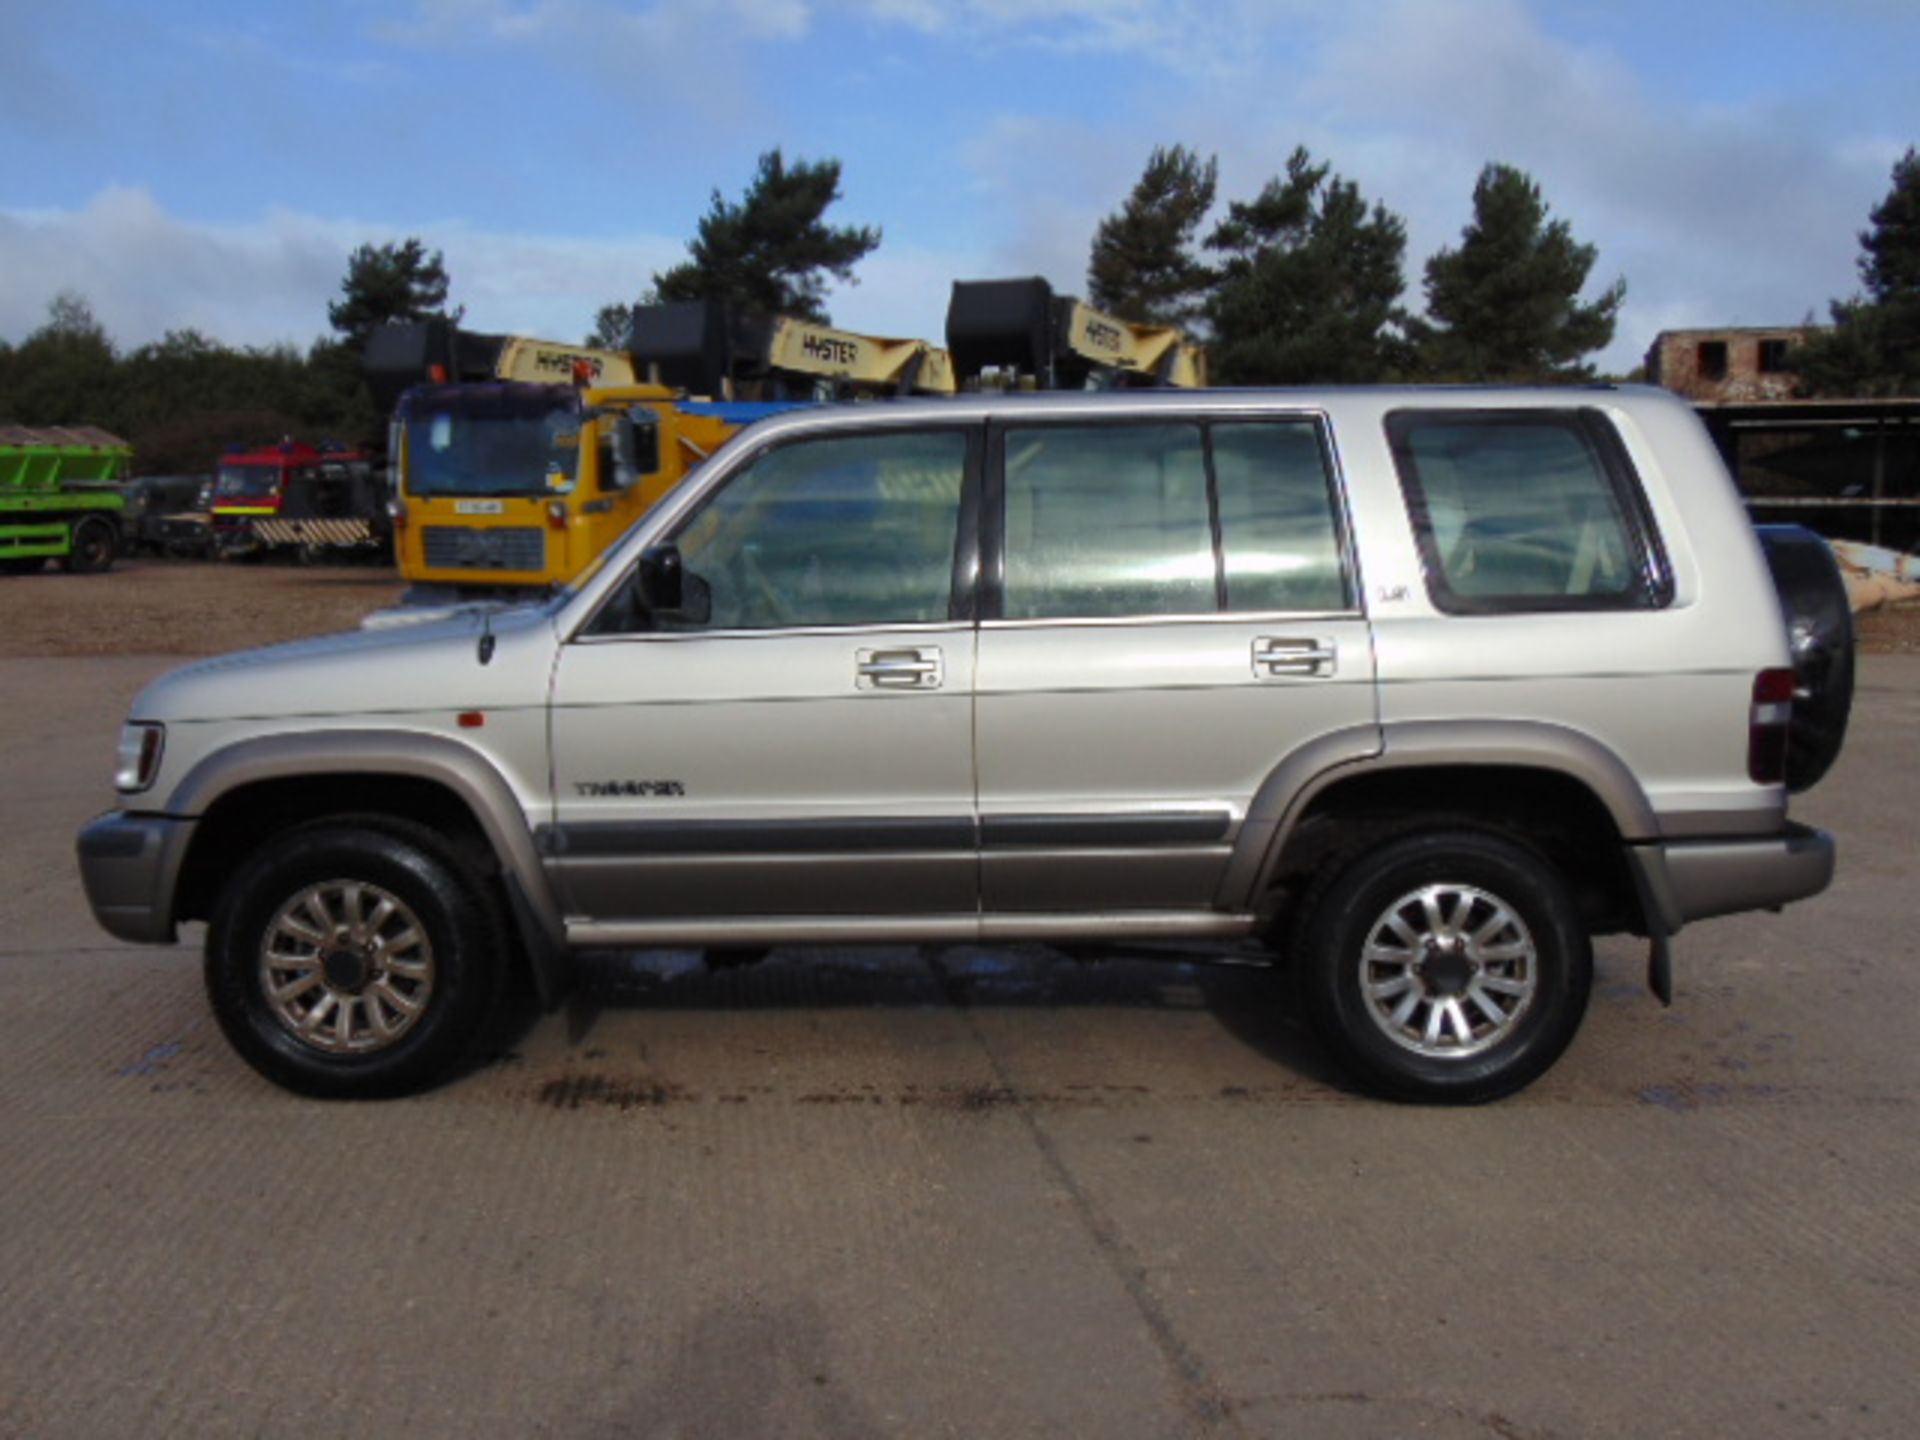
<point x="96" y="542"/>
<point x="1517" y="1050"/>
<point x="1820" y="634"/>
<point x="465" y="959"/>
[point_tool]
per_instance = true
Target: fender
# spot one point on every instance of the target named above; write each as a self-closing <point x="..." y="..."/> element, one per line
<point x="1306" y="772"/>
<point x="463" y="770"/>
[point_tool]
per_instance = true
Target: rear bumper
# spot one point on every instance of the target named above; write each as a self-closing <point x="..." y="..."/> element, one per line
<point x="1698" y="879"/>
<point x="129" y="865"/>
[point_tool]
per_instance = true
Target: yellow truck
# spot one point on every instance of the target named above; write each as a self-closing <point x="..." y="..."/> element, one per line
<point x="515" y="461"/>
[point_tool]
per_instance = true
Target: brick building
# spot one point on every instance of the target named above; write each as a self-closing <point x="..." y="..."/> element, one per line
<point x="1715" y="367"/>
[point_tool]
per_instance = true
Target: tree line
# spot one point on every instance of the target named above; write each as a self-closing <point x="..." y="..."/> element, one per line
<point x="184" y="398"/>
<point x="1304" y="282"/>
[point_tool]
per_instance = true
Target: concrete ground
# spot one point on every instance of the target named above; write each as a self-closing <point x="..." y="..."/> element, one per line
<point x="963" y="1193"/>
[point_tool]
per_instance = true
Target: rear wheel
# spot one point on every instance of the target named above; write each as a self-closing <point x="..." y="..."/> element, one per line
<point x="96" y="542"/>
<point x="349" y="961"/>
<point x="1449" y="966"/>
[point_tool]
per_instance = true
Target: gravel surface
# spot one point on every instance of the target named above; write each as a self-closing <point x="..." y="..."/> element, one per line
<point x="963" y="1192"/>
<point x="1890" y="630"/>
<point x="951" y="1192"/>
<point x="173" y="607"/>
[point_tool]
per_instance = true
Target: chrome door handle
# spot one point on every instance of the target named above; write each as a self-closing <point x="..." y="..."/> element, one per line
<point x="1287" y="655"/>
<point x="899" y="669"/>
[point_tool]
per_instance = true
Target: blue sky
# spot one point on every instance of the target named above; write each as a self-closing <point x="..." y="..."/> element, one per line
<point x="212" y="164"/>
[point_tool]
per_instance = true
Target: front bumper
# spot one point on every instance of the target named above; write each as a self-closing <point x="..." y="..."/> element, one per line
<point x="129" y="865"/>
<point x="1698" y="879"/>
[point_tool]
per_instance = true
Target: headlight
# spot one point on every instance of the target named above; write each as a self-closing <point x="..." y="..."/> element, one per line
<point x="139" y="757"/>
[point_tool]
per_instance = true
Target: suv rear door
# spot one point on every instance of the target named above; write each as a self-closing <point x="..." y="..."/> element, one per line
<point x="1169" y="608"/>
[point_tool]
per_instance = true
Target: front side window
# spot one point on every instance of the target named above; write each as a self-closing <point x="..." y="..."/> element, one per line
<point x="858" y="530"/>
<point x="1525" y="510"/>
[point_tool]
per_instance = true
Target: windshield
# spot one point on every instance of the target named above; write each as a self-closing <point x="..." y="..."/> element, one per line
<point x="492" y="443"/>
<point x="248" y="482"/>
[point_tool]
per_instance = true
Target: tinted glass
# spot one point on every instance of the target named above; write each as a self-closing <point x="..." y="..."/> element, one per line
<point x="852" y="531"/>
<point x="491" y="442"/>
<point x="1107" y="520"/>
<point x="1277" y="528"/>
<point x="1519" y="513"/>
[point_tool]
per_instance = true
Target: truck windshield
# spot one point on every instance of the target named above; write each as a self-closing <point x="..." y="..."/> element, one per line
<point x="492" y="442"/>
<point x="247" y="482"/>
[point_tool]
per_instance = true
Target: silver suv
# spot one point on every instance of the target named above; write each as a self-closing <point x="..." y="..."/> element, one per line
<point x="1424" y="687"/>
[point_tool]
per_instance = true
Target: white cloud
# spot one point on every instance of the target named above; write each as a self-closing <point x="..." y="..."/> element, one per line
<point x="264" y="281"/>
<point x="902" y="292"/>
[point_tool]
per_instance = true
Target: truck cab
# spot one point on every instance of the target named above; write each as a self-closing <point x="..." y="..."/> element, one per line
<point x="293" y="495"/>
<point x="518" y="486"/>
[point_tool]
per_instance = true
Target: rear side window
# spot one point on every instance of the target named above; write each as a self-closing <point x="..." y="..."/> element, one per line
<point x="1526" y="510"/>
<point x="1190" y="518"/>
<point x="1107" y="520"/>
<point x="1278" y="534"/>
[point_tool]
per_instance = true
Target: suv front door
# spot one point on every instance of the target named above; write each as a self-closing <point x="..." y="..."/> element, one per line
<point x="1168" y="609"/>
<point x="806" y="748"/>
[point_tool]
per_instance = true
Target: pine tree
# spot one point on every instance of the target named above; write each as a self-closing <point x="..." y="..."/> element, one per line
<point x="1143" y="266"/>
<point x="387" y="283"/>
<point x="772" y="252"/>
<point x="612" y="327"/>
<point x="64" y="373"/>
<point x="1874" y="345"/>
<point x="1506" y="304"/>
<point x="1310" y="282"/>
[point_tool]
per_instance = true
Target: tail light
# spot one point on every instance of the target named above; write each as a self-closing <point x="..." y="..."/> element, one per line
<point x="1769" y="726"/>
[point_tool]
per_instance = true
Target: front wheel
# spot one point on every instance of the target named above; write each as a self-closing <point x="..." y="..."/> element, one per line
<point x="1449" y="966"/>
<point x="350" y="961"/>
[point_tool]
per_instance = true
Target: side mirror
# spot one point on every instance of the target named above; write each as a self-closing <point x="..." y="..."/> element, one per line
<point x="636" y="450"/>
<point x="669" y="591"/>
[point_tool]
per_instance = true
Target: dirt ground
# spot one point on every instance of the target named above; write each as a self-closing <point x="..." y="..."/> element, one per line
<point x="1890" y="630"/>
<point x="940" y="1193"/>
<point x="176" y="607"/>
<point x="181" y="607"/>
<point x="963" y="1191"/>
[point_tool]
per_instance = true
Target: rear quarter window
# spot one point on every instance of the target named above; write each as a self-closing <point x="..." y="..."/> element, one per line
<point x="1526" y="510"/>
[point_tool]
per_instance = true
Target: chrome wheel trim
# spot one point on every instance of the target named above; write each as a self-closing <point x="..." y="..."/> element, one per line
<point x="346" y="967"/>
<point x="1447" y="971"/>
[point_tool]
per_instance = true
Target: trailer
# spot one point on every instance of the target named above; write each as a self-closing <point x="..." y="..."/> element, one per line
<point x="60" y="498"/>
